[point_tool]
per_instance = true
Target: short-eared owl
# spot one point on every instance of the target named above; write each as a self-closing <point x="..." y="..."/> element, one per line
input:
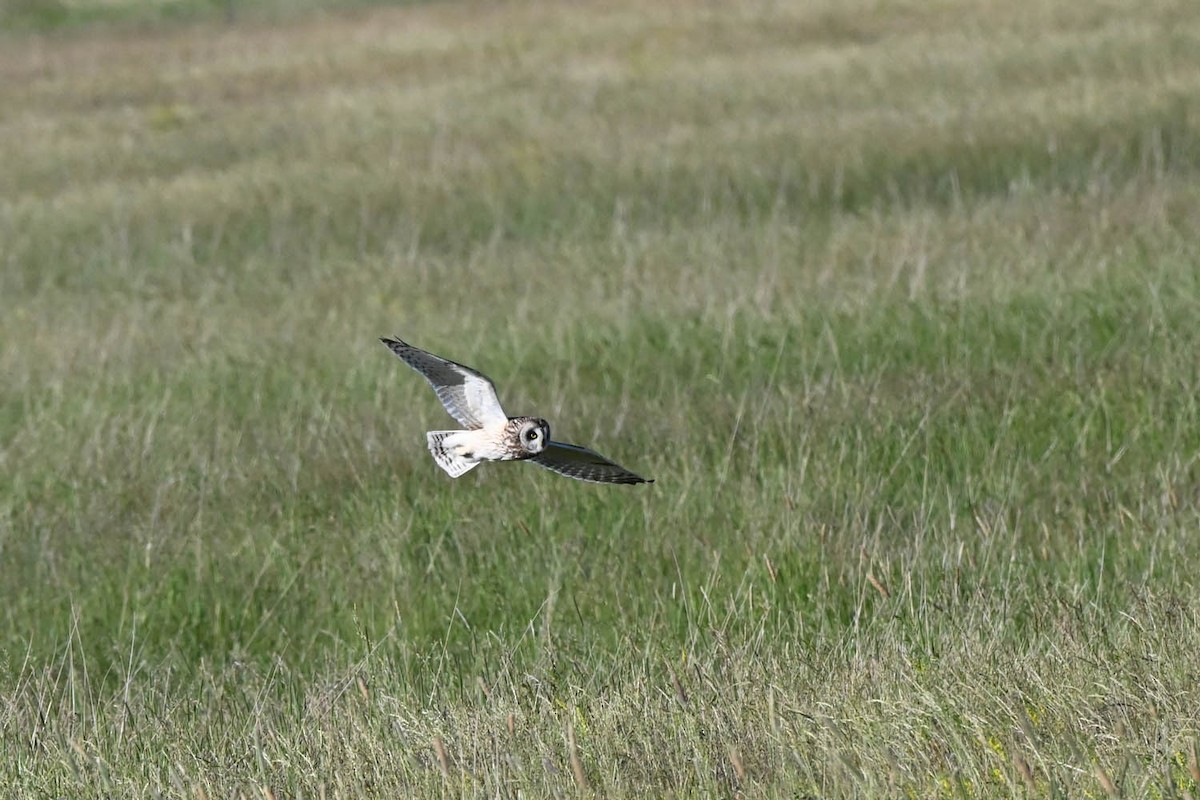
<point x="491" y="435"/>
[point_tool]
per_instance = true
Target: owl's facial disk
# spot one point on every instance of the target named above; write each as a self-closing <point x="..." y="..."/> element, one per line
<point x="534" y="435"/>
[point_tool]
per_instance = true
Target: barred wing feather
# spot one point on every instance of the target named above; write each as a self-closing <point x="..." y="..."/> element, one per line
<point x="469" y="396"/>
<point x="583" y="464"/>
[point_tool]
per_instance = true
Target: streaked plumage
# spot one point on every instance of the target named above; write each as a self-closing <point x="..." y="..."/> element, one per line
<point x="491" y="435"/>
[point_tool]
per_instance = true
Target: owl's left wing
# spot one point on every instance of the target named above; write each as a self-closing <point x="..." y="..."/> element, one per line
<point x="468" y="395"/>
<point x="584" y="465"/>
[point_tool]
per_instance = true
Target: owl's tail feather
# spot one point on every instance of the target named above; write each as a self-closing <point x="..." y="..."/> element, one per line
<point x="447" y="455"/>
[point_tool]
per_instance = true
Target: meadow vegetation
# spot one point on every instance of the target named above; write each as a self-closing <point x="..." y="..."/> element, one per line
<point x="899" y="302"/>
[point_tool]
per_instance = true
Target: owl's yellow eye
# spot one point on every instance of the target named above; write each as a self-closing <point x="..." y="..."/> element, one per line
<point x="532" y="436"/>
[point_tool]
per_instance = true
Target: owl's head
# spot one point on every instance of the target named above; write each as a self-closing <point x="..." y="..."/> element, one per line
<point x="534" y="435"/>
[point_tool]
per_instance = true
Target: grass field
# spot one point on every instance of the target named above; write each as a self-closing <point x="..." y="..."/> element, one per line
<point x="898" y="301"/>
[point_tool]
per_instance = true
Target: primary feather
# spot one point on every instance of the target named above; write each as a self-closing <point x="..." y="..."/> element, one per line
<point x="469" y="396"/>
<point x="583" y="464"/>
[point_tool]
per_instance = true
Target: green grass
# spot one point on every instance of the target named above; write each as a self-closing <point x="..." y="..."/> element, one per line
<point x="23" y="17"/>
<point x="898" y="302"/>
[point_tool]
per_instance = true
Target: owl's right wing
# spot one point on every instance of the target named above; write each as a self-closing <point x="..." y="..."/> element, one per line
<point x="469" y="396"/>
<point x="584" y="465"/>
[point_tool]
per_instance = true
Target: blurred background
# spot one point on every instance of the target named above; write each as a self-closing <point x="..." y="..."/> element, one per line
<point x="897" y="301"/>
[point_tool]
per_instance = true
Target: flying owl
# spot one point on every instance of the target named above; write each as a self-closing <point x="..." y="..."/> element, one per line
<point x="492" y="435"/>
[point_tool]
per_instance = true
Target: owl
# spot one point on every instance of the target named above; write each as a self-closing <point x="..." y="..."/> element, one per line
<point x="492" y="435"/>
